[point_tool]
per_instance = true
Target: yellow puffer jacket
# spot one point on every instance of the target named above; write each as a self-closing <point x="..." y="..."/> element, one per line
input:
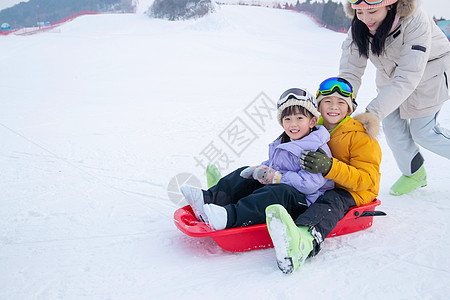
<point x="356" y="157"/>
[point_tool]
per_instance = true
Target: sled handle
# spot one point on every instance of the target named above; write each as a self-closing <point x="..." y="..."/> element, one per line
<point x="369" y="214"/>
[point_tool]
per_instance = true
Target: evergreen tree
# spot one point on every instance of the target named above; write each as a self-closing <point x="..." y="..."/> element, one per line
<point x="180" y="9"/>
<point x="331" y="13"/>
<point x="334" y="15"/>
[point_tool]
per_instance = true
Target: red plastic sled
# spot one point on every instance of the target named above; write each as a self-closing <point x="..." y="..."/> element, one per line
<point x="257" y="237"/>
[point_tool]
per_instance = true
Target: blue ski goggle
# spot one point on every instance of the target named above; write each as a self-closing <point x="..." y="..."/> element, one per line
<point x="336" y="84"/>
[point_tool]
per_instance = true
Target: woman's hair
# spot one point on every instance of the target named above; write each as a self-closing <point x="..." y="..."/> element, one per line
<point x="361" y="35"/>
<point x="290" y="110"/>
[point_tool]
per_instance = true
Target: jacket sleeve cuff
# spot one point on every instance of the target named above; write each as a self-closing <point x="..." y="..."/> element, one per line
<point x="330" y="174"/>
<point x="277" y="177"/>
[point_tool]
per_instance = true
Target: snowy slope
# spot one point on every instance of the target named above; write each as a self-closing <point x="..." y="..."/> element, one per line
<point x="96" y="120"/>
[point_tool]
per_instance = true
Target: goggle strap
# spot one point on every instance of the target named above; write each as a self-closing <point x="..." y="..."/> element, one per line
<point x="337" y="89"/>
<point x="306" y="97"/>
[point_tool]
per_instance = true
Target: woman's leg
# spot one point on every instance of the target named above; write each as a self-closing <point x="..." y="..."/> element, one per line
<point x="429" y="134"/>
<point x="399" y="138"/>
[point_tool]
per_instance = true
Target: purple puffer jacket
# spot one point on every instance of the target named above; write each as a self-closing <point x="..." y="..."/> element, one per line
<point x="284" y="158"/>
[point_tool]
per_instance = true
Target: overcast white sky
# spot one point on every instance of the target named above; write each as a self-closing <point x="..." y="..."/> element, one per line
<point x="437" y="8"/>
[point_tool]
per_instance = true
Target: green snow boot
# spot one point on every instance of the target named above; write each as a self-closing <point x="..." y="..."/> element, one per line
<point x="292" y="243"/>
<point x="406" y="184"/>
<point x="212" y="175"/>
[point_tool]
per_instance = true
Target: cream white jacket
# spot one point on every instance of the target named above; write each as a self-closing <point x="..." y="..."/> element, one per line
<point x="411" y="72"/>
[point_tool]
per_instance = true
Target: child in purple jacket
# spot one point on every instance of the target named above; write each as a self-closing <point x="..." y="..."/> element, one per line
<point x="240" y="198"/>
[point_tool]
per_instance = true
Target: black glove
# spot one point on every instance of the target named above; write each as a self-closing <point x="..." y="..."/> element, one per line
<point x="315" y="162"/>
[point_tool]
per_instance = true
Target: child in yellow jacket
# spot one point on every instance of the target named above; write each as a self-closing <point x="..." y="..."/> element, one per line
<point x="354" y="167"/>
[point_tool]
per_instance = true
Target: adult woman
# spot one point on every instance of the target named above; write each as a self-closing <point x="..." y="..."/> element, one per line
<point x="412" y="58"/>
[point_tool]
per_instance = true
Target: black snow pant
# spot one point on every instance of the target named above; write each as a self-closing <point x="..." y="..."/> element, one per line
<point x="246" y="199"/>
<point x="323" y="215"/>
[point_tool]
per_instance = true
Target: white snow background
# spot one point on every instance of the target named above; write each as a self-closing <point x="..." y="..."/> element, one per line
<point x="97" y="118"/>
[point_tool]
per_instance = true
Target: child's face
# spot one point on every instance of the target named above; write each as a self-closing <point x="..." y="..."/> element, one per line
<point x="298" y="125"/>
<point x="333" y="110"/>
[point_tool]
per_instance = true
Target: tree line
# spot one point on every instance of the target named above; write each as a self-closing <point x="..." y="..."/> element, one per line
<point x="28" y="14"/>
<point x="331" y="13"/>
<point x="180" y="9"/>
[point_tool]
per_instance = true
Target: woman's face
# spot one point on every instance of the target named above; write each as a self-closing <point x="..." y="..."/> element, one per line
<point x="372" y="17"/>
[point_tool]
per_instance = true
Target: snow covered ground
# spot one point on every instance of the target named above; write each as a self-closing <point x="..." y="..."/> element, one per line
<point x="95" y="122"/>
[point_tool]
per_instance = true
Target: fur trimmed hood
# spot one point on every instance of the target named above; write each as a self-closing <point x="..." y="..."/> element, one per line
<point x="405" y="8"/>
<point x="370" y="123"/>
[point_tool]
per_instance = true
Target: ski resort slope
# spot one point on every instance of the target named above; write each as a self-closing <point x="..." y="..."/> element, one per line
<point x="97" y="118"/>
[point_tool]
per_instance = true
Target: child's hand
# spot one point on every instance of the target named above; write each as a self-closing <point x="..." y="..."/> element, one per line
<point x="266" y="175"/>
<point x="315" y="162"/>
<point x="248" y="172"/>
